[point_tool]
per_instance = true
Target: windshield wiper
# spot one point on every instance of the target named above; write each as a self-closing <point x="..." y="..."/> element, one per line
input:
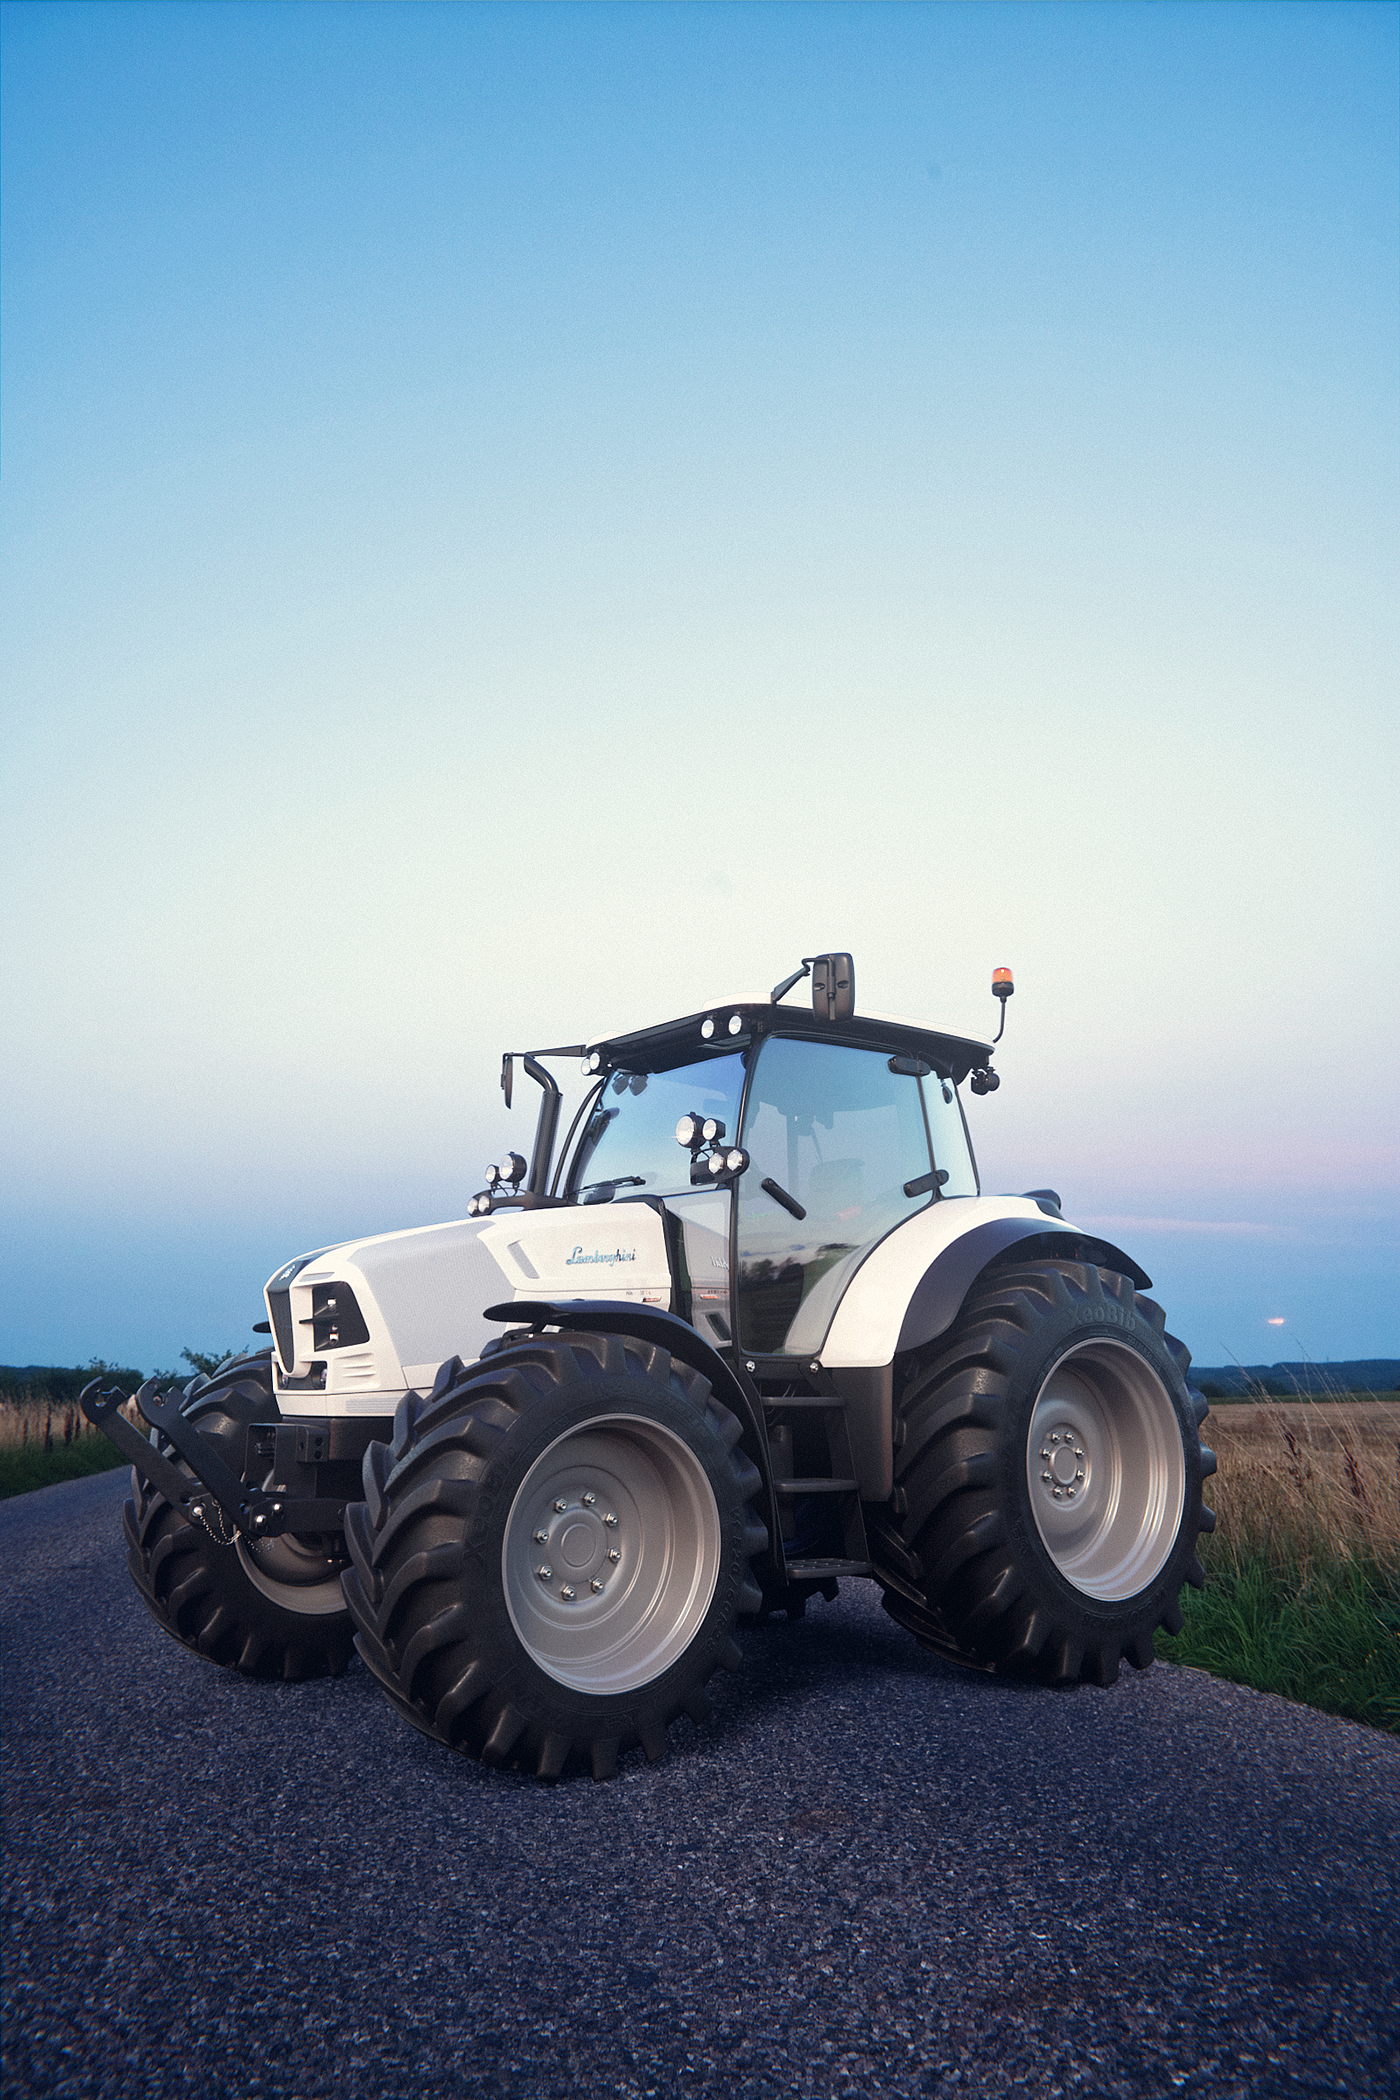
<point x="604" y="1191"/>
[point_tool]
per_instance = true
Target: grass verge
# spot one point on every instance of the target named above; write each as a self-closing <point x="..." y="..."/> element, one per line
<point x="45" y="1438"/>
<point x="1302" y="1591"/>
<point x="1332" y="1641"/>
<point x="23" y="1470"/>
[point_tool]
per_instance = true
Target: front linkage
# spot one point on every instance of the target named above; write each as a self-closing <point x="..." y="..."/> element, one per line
<point x="258" y="1513"/>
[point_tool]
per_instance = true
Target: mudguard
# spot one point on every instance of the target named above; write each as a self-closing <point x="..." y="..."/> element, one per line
<point x="649" y="1323"/>
<point x="910" y="1289"/>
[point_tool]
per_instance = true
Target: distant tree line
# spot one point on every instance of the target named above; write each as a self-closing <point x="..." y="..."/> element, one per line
<point x="21" y="1384"/>
<point x="1302" y="1381"/>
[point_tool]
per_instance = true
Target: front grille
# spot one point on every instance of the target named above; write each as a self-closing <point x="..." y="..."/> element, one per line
<point x="279" y="1305"/>
<point x="335" y="1320"/>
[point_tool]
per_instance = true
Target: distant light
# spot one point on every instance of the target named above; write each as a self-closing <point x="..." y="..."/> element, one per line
<point x="1275" y="1323"/>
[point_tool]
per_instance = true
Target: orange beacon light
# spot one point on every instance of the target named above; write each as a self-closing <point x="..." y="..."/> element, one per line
<point x="1002" y="988"/>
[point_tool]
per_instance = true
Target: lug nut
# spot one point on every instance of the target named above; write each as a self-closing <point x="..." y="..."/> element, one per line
<point x="589" y="1500"/>
<point x="567" y="1593"/>
<point x="613" y="1553"/>
<point x="560" y="1508"/>
<point x="545" y="1572"/>
<point x="609" y="1518"/>
<point x="541" y="1538"/>
<point x="1057" y="1493"/>
<point x="595" y="1585"/>
<point x="1045" y="1476"/>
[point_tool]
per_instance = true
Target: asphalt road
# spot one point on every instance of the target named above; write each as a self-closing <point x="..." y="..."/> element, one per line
<point x="869" y="1874"/>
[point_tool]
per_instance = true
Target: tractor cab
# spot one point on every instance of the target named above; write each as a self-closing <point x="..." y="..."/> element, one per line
<point x="775" y="1147"/>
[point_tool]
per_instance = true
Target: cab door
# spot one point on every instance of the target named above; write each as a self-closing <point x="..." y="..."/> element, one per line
<point x="841" y="1133"/>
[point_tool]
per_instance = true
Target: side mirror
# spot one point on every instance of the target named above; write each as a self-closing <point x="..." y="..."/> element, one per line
<point x="507" y="1076"/>
<point x="833" y="987"/>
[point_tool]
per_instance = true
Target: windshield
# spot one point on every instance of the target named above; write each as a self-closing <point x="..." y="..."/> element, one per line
<point x="629" y="1142"/>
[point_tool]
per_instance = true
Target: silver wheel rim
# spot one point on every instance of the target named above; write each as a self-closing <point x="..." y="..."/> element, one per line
<point x="300" y="1577"/>
<point x="1106" y="1470"/>
<point x="611" y="1554"/>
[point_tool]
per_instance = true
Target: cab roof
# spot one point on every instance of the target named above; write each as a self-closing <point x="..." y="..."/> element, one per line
<point x="684" y="1041"/>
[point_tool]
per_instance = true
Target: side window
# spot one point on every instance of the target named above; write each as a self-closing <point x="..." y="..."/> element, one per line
<point x="952" y="1155"/>
<point x="842" y="1135"/>
<point x="629" y="1142"/>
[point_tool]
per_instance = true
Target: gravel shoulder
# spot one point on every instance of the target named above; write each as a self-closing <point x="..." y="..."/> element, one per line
<point x="870" y="1874"/>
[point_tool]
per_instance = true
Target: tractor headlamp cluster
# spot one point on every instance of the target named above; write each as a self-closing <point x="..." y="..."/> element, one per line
<point x="504" y="1177"/>
<point x="695" y="1131"/>
<point x="710" y="1158"/>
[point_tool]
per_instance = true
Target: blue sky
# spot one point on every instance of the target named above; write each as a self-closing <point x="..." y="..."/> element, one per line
<point x="517" y="520"/>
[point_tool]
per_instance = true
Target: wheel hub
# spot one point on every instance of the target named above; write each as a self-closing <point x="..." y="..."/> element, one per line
<point x="580" y="1546"/>
<point x="301" y="1574"/>
<point x="611" y="1554"/>
<point x="1106" y="1469"/>
<point x="1064" y="1463"/>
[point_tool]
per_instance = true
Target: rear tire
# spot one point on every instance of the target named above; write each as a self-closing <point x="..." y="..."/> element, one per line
<point x="553" y="1551"/>
<point x="1048" y="1475"/>
<point x="271" y="1609"/>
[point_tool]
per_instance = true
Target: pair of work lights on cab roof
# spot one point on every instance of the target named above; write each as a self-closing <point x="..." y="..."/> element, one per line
<point x="709" y="1024"/>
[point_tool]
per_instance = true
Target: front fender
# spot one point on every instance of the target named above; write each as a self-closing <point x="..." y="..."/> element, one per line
<point x="649" y="1323"/>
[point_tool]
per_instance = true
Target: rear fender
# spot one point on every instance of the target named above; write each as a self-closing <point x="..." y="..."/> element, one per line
<point x="911" y="1288"/>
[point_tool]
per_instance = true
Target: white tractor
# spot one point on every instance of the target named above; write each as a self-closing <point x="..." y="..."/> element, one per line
<point x="761" y="1330"/>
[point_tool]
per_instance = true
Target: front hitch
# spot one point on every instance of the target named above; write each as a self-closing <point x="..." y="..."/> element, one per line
<point x="256" y="1512"/>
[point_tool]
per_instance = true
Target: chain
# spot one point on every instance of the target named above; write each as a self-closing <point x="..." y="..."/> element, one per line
<point x="197" y="1511"/>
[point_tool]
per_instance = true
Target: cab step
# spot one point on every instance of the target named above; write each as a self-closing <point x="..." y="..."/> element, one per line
<point x="818" y="1570"/>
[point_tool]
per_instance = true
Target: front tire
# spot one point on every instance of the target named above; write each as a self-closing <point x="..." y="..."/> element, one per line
<point x="271" y="1608"/>
<point x="553" y="1551"/>
<point x="1048" y="1479"/>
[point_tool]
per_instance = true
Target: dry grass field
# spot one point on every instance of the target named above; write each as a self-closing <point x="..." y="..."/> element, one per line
<point x="1305" y="1481"/>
